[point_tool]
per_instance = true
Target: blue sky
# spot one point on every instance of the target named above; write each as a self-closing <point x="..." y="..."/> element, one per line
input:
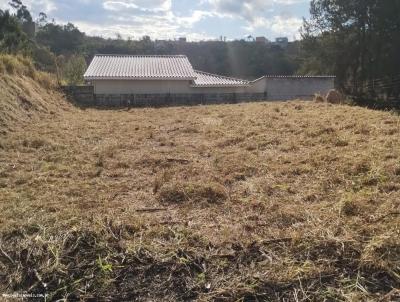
<point x="170" y="19"/>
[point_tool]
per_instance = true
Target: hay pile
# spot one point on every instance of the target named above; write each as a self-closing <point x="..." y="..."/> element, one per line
<point x="319" y="99"/>
<point x="334" y="97"/>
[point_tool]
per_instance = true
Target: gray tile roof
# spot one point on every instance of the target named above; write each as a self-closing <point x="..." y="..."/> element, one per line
<point x="205" y="79"/>
<point x="296" y="77"/>
<point x="140" y="67"/>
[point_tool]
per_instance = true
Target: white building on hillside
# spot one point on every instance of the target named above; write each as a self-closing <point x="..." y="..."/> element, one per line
<point x="171" y="79"/>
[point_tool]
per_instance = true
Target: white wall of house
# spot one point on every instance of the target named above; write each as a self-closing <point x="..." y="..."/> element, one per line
<point x="293" y="88"/>
<point x="258" y="86"/>
<point x="156" y="87"/>
<point x="218" y="90"/>
<point x="297" y="88"/>
<point x="276" y="88"/>
<point x="140" y="86"/>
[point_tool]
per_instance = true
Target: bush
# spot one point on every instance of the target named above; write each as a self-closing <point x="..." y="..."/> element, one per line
<point x="46" y="80"/>
<point x="23" y="66"/>
<point x="74" y="69"/>
<point x="17" y="65"/>
<point x="334" y="97"/>
<point x="10" y="63"/>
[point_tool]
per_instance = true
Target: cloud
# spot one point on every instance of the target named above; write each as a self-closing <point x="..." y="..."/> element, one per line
<point x="249" y="9"/>
<point x="279" y="25"/>
<point x="138" y="5"/>
<point x="262" y="14"/>
<point x="159" y="29"/>
<point x="168" y="19"/>
<point x="35" y="6"/>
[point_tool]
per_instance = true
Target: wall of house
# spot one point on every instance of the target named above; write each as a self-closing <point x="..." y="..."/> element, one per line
<point x="140" y="87"/>
<point x="297" y="88"/>
<point x="156" y="87"/>
<point x="161" y="93"/>
<point x="289" y="88"/>
<point x="180" y="99"/>
<point x="285" y="88"/>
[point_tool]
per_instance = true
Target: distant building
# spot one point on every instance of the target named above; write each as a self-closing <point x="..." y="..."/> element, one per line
<point x="156" y="80"/>
<point x="282" y="42"/>
<point x="262" y="40"/>
<point x="182" y="40"/>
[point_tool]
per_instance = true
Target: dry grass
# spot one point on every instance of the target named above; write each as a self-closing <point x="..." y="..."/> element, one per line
<point x="268" y="201"/>
<point x="319" y="99"/>
<point x="26" y="95"/>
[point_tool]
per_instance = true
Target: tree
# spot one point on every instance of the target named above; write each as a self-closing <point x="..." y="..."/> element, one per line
<point x="42" y="20"/>
<point x="23" y="13"/>
<point x="357" y="40"/>
<point x="74" y="69"/>
<point x="61" y="39"/>
<point x="12" y="38"/>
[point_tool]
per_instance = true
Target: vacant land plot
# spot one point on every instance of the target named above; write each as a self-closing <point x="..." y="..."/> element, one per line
<point x="268" y="201"/>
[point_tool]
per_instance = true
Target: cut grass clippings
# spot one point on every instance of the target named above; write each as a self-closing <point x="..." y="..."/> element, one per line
<point x="281" y="201"/>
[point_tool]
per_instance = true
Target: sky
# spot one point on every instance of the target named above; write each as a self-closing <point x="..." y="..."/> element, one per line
<point x="170" y="19"/>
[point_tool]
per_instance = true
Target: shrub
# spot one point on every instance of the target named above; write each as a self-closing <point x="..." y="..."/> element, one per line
<point x="10" y="64"/>
<point x="17" y="65"/>
<point x="46" y="80"/>
<point x="334" y="97"/>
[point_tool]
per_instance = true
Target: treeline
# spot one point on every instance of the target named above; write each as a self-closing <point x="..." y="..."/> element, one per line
<point x="65" y="50"/>
<point x="356" y="40"/>
<point x="238" y="58"/>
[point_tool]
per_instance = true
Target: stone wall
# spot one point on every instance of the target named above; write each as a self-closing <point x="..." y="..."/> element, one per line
<point x="159" y="100"/>
<point x="83" y="95"/>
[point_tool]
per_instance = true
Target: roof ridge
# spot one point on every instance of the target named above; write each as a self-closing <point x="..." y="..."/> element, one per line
<point x="297" y="76"/>
<point x="221" y="76"/>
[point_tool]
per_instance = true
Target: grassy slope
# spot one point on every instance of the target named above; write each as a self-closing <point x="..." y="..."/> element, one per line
<point x="256" y="201"/>
<point x="26" y="95"/>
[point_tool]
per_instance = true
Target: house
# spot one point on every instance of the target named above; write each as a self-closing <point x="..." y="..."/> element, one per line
<point x="161" y="80"/>
<point x="262" y="40"/>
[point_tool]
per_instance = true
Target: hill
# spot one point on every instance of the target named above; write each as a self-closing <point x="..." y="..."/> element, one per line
<point x="264" y="201"/>
<point x="26" y="95"/>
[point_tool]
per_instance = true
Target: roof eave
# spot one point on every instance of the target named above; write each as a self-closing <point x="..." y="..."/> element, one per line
<point x="220" y="86"/>
<point x="89" y="78"/>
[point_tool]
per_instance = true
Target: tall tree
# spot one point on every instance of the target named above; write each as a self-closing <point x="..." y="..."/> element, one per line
<point x="23" y="13"/>
<point x="357" y="40"/>
<point x="12" y="38"/>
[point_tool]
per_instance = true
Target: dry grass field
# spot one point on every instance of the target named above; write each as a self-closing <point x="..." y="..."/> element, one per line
<point x="293" y="201"/>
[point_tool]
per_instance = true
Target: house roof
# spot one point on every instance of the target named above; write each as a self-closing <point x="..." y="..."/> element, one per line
<point x="129" y="67"/>
<point x="295" y="77"/>
<point x="126" y="67"/>
<point x="204" y="79"/>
